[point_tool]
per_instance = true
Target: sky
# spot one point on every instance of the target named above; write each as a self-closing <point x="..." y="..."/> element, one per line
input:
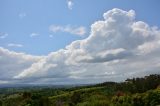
<point x="78" y="41"/>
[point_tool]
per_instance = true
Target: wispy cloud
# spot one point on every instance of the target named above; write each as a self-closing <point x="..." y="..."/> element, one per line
<point x="51" y="36"/>
<point x="80" y="31"/>
<point x="34" y="34"/>
<point x="70" y="4"/>
<point x="22" y="15"/>
<point x="3" y="82"/>
<point x="14" y="45"/>
<point x="3" y="35"/>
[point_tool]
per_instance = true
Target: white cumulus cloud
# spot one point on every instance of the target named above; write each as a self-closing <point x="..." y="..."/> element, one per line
<point x="12" y="63"/>
<point x="118" y="47"/>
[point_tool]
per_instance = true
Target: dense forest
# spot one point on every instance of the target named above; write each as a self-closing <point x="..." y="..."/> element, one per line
<point x="132" y="92"/>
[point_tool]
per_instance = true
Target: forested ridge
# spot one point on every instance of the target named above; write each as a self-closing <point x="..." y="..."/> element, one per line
<point x="132" y="92"/>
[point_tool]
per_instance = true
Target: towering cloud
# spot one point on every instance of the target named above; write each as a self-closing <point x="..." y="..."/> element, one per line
<point x="117" y="47"/>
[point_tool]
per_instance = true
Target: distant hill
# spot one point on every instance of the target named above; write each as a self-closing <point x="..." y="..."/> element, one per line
<point x="133" y="92"/>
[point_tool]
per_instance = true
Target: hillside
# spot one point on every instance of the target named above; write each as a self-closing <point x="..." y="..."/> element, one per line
<point x="133" y="92"/>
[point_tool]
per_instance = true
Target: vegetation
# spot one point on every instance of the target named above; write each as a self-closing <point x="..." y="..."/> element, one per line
<point x="133" y="92"/>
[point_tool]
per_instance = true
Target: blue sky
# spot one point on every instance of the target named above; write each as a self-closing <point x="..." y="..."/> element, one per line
<point x="78" y="41"/>
<point x="20" y="18"/>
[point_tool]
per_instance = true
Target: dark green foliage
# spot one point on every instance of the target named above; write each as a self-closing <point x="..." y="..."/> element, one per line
<point x="152" y="98"/>
<point x="149" y="98"/>
<point x="75" y="98"/>
<point x="26" y="94"/>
